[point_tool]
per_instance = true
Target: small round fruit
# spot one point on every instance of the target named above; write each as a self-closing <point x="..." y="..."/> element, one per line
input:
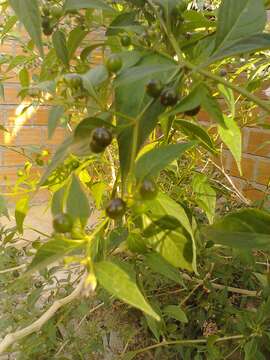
<point x="95" y="148"/>
<point x="148" y="190"/>
<point x="62" y="223"/>
<point x="114" y="63"/>
<point x="125" y="40"/>
<point x="193" y="112"/>
<point x="75" y="164"/>
<point x="154" y="88"/>
<point x="168" y="97"/>
<point x="102" y="137"/>
<point x="116" y="208"/>
<point x="223" y="72"/>
<point x="47" y="30"/>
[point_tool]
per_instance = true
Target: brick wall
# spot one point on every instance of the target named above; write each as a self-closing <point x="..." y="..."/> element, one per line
<point x="33" y="131"/>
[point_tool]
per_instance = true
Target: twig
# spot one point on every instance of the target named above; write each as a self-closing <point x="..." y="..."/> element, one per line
<point x="189" y="343"/>
<point x="245" y="292"/>
<point x="37" y="325"/>
<point x="207" y="276"/>
<point x="12" y="269"/>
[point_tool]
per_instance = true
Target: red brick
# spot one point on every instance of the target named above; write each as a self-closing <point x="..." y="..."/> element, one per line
<point x="248" y="168"/>
<point x="29" y="136"/>
<point x="263" y="174"/>
<point x="13" y="158"/>
<point x="259" y="142"/>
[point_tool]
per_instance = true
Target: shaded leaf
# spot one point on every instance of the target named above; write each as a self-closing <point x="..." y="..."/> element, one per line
<point x="232" y="138"/>
<point x="205" y="195"/>
<point x="86" y="4"/>
<point x="28" y="13"/>
<point x="121" y="283"/>
<point x="53" y="250"/>
<point x="159" y="265"/>
<point x="55" y="115"/>
<point x="22" y="207"/>
<point x="152" y="162"/>
<point x="75" y="39"/>
<point x="77" y="201"/>
<point x="176" y="313"/>
<point x="196" y="132"/>
<point x="57" y="159"/>
<point x="60" y="46"/>
<point x="245" y="229"/>
<point x="239" y="19"/>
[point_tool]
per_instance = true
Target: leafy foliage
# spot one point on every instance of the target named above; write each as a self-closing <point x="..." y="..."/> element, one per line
<point x="187" y="264"/>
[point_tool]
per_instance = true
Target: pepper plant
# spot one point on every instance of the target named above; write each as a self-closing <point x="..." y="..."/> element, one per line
<point x="131" y="81"/>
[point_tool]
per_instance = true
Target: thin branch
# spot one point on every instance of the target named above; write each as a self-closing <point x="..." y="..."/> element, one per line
<point x="37" y="325"/>
<point x="189" y="343"/>
<point x="245" y="292"/>
<point x="12" y="269"/>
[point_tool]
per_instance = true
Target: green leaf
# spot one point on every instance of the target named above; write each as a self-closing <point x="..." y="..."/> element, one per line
<point x="189" y="102"/>
<point x="229" y="98"/>
<point x="245" y="229"/>
<point x="2" y="91"/>
<point x="60" y="46"/>
<point x="75" y="39"/>
<point x="57" y="159"/>
<point x="120" y="22"/>
<point x="211" y="105"/>
<point x="159" y="265"/>
<point x="140" y="72"/>
<point x="8" y="25"/>
<point x="21" y="210"/>
<point x="250" y="44"/>
<point x="24" y="77"/>
<point x="232" y="137"/>
<point x="239" y="19"/>
<point x="120" y="282"/>
<point x="55" y="115"/>
<point x="77" y="201"/>
<point x="3" y="207"/>
<point x="176" y="313"/>
<point x="205" y="195"/>
<point x="184" y="252"/>
<point x="57" y="205"/>
<point x="94" y="77"/>
<point x="152" y="162"/>
<point x="53" y="250"/>
<point x="196" y="132"/>
<point x="131" y="100"/>
<point x="28" y="13"/>
<point x="200" y="95"/>
<point x="86" y="4"/>
<point x="167" y="5"/>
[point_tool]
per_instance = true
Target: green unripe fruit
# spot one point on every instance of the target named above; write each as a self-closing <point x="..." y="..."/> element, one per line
<point x="148" y="190"/>
<point x="116" y="208"/>
<point x="114" y="63"/>
<point x="154" y="88"/>
<point x="125" y="40"/>
<point x="168" y="97"/>
<point x="62" y="223"/>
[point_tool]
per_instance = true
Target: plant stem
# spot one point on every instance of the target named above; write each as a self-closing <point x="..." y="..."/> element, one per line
<point x="238" y="89"/>
<point x="189" y="342"/>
